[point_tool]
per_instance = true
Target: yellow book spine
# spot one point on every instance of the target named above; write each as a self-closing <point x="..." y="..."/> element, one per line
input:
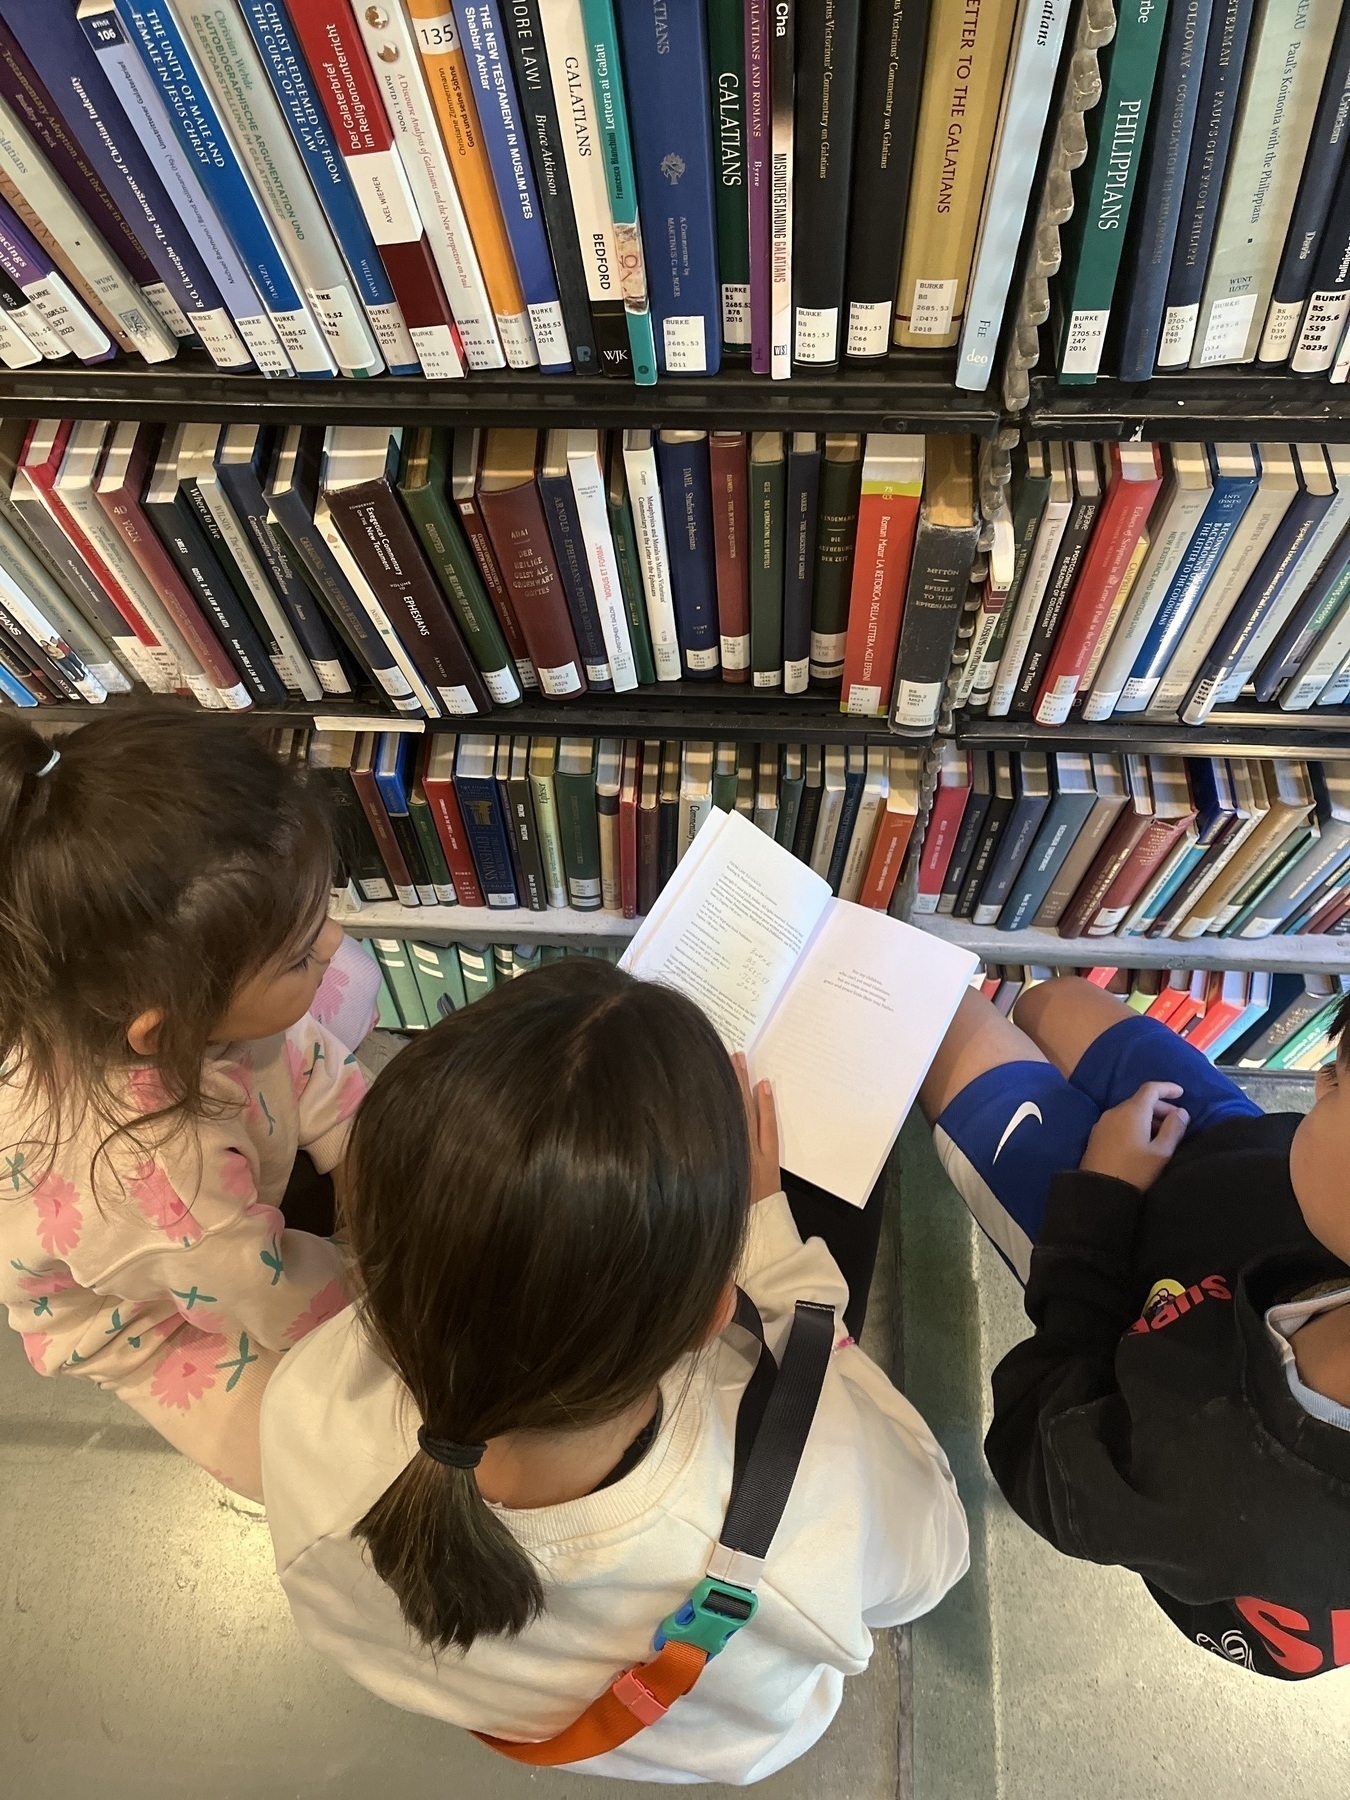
<point x="447" y="75"/>
<point x="967" y="61"/>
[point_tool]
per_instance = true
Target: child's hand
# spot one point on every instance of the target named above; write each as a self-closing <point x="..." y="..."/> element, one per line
<point x="1137" y="1139"/>
<point x="765" y="1178"/>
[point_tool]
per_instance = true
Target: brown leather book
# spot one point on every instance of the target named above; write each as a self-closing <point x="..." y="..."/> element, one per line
<point x="649" y="828"/>
<point x="1157" y="813"/>
<point x="368" y="793"/>
<point x="514" y="516"/>
<point x="465" y="452"/>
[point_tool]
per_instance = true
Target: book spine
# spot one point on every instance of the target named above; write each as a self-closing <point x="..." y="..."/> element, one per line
<point x="569" y="552"/>
<point x="391" y="56"/>
<point x="485" y="827"/>
<point x="391" y="854"/>
<point x="799" y="566"/>
<point x="489" y="66"/>
<point x="592" y="517"/>
<point x="1323" y="320"/>
<point x="579" y="827"/>
<point x="525" y="841"/>
<point x="726" y="56"/>
<point x="449" y="823"/>
<point x="583" y="152"/>
<point x="1177" y="99"/>
<point x="891" y="64"/>
<point x="665" y="67"/>
<point x="157" y="39"/>
<point x="758" y="159"/>
<point x="519" y="532"/>
<point x="298" y="100"/>
<point x="1111" y="859"/>
<point x="1040" y="568"/>
<point x="49" y="310"/>
<point x="887" y="519"/>
<point x="1324" y="599"/>
<point x="939" y="840"/>
<point x="894" y="831"/>
<point x="686" y="499"/>
<point x="628" y="565"/>
<point x="1015" y="846"/>
<point x="943" y="556"/>
<point x="1220" y="85"/>
<point x="768" y="484"/>
<point x="782" y="122"/>
<point x="836" y="535"/>
<point x="1067" y="816"/>
<point x="1021" y="126"/>
<point x="827" y="74"/>
<point x="1105" y="189"/>
<point x="644" y="494"/>
<point x="730" y="517"/>
<point x="36" y="517"/>
<point x="131" y="84"/>
<point x="1322" y="166"/>
<point x="1152" y="848"/>
<point x="544" y="132"/>
<point x="455" y="570"/>
<point x="1286" y="62"/>
<point x="543" y="794"/>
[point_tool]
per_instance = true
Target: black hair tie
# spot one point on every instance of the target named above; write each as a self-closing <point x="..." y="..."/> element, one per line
<point x="452" y="1456"/>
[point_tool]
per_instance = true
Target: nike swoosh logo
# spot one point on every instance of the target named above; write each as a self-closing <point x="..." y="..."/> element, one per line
<point x="1027" y="1110"/>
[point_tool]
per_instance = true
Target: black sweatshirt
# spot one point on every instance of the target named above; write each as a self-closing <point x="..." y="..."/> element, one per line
<point x="1149" y="1421"/>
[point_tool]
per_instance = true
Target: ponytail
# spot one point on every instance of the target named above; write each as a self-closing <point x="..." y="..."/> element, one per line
<point x="546" y="1197"/>
<point x="24" y="757"/>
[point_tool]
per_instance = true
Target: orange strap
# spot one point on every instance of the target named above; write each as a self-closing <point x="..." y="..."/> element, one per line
<point x="639" y="1697"/>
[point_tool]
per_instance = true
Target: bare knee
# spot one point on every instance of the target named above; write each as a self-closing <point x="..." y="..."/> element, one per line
<point x="979" y="1038"/>
<point x="1062" y="1017"/>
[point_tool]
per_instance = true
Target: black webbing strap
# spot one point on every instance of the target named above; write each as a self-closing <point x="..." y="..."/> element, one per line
<point x="773" y="1422"/>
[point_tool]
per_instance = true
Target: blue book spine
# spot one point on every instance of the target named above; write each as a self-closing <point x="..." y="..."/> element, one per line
<point x="1261" y="593"/>
<point x="1230" y="498"/>
<point x="61" y="53"/>
<point x="1220" y="85"/>
<point x="1321" y="168"/>
<point x="1014" y="846"/>
<point x="569" y="550"/>
<point x="199" y="131"/>
<point x="13" y="689"/>
<point x="686" y="501"/>
<point x="665" y="68"/>
<point x="488" y="842"/>
<point x="1322" y="602"/>
<point x="294" y="87"/>
<point x="507" y="142"/>
<point x="1176" y="99"/>
<point x="799" y="562"/>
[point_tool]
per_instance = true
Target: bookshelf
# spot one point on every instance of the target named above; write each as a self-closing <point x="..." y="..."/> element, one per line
<point x="1218" y="407"/>
<point x="1229" y="731"/>
<point x="484" y="924"/>
<point x="1298" y="955"/>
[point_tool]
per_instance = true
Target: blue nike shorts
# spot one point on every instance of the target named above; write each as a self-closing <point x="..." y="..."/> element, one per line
<point x="1005" y="1136"/>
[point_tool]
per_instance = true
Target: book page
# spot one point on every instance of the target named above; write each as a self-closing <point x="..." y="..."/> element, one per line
<point x="850" y="1041"/>
<point x="742" y="913"/>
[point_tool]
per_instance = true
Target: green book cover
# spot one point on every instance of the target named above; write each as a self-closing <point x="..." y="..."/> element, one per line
<point x="726" y="63"/>
<point x="387" y="1015"/>
<point x="1104" y="187"/>
<point x="626" y="556"/>
<point x="391" y="954"/>
<point x="419" y="813"/>
<point x="1273" y="869"/>
<point x="439" y="980"/>
<point x="478" y="966"/>
<point x="724" y="777"/>
<point x="790" y="787"/>
<point x="1305" y="1037"/>
<point x="836" y="533"/>
<point x="578" y="822"/>
<point x="768" y="490"/>
<point x="527" y="957"/>
<point x="424" y="467"/>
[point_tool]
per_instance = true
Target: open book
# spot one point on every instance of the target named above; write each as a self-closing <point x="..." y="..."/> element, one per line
<point x="840" y="1007"/>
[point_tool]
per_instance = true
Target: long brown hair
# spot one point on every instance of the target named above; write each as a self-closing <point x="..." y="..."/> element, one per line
<point x="160" y="863"/>
<point x="547" y="1196"/>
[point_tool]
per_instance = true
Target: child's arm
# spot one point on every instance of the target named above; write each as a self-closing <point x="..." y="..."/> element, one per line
<point x="328" y="1085"/>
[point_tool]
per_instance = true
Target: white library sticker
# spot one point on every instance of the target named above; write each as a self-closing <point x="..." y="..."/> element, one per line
<point x="736" y="652"/>
<point x="501" y="684"/>
<point x="264" y="345"/>
<point x="817" y="334"/>
<point x="1178" y="335"/>
<point x="550" y="335"/>
<point x="736" y="312"/>
<point x="168" y="308"/>
<point x="931" y="313"/>
<point x="1083" y="347"/>
<point x="1226" y="331"/>
<point x="216" y="330"/>
<point x="1054" y="709"/>
<point x="702" y="659"/>
<point x="457" y="699"/>
<point x="437" y="352"/>
<point x="863" y="701"/>
<point x="1281" y="328"/>
<point x="1321" y="333"/>
<point x="686" y="351"/>
<point x="767" y="678"/>
<point x="917" y="702"/>
<point x="869" y="328"/>
<point x="517" y="340"/>
<point x="565" y="679"/>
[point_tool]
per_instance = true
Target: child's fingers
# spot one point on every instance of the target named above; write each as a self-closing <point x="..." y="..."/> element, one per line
<point x="768" y="1122"/>
<point x="742" y="1069"/>
<point x="1167" y="1139"/>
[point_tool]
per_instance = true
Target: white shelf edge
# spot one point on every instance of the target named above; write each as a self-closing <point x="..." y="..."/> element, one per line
<point x="485" y="924"/>
<point x="1303" y="955"/>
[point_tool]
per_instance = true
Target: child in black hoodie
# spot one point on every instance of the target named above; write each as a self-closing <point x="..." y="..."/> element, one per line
<point x="1183" y="1407"/>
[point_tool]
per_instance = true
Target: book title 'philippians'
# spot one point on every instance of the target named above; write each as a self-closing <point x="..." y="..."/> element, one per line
<point x="956" y="112"/>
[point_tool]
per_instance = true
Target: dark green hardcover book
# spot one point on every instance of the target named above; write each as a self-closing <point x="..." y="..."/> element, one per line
<point x="424" y="469"/>
<point x="791" y="783"/>
<point x="439" y="979"/>
<point x="768" y="488"/>
<point x="424" y="829"/>
<point x="478" y="966"/>
<point x="724" y="777"/>
<point x="836" y="531"/>
<point x="1104" y="189"/>
<point x="578" y="822"/>
<point x="391" y="954"/>
<point x="726" y="65"/>
<point x="626" y="555"/>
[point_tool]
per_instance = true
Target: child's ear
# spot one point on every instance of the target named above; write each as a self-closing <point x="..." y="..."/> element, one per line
<point x="143" y="1032"/>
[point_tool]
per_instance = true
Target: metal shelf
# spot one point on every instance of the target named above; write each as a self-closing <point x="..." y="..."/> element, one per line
<point x="910" y="391"/>
<point x="1302" y="955"/>
<point x="691" y="709"/>
<point x="1222" y="405"/>
<point x="1229" y="731"/>
<point x="485" y="924"/>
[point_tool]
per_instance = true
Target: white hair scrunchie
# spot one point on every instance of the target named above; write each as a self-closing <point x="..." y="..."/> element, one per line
<point x="48" y="766"/>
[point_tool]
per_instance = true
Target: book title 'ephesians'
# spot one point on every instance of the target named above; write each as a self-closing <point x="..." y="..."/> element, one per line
<point x="956" y="112"/>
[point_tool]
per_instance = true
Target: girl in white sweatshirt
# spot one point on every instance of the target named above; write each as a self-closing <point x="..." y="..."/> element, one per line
<point x="490" y="1481"/>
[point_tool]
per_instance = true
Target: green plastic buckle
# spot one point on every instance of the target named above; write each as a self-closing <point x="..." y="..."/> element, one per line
<point x="710" y="1617"/>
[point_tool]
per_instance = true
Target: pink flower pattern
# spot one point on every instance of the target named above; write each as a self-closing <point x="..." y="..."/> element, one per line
<point x="331" y="992"/>
<point x="59" y="1218"/>
<point x="188" y="1369"/>
<point x="326" y="1304"/>
<point x="50" y="1281"/>
<point x="295" y="1063"/>
<point x="351" y="1093"/>
<point x="147" y="1089"/>
<point x="36" y="1344"/>
<point x="236" y="1175"/>
<point x="163" y="1206"/>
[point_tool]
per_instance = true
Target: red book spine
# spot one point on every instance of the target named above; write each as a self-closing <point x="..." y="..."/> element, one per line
<point x="1132" y="877"/>
<point x="123" y="508"/>
<point x="894" y="830"/>
<point x="939" y="841"/>
<point x="885" y="543"/>
<point x="476" y="531"/>
<point x="1328" y="914"/>
<point x="1167" y="1002"/>
<point x="1122" y="518"/>
<point x="1219" y="1015"/>
<point x="519" y="533"/>
<point x="1108" y="863"/>
<point x="361" y="131"/>
<point x="449" y="823"/>
<point x="731" y="508"/>
<point x="368" y="793"/>
<point x="1101" y="977"/>
<point x="628" y="820"/>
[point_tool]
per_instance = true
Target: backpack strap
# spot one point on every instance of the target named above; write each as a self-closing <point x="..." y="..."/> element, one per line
<point x="773" y="1422"/>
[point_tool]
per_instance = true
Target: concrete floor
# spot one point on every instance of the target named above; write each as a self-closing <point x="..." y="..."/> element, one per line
<point x="147" y="1651"/>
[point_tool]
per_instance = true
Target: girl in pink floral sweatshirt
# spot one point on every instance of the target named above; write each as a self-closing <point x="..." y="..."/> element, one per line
<point x="163" y="933"/>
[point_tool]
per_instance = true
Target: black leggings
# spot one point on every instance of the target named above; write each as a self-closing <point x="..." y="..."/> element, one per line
<point x="851" y="1236"/>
